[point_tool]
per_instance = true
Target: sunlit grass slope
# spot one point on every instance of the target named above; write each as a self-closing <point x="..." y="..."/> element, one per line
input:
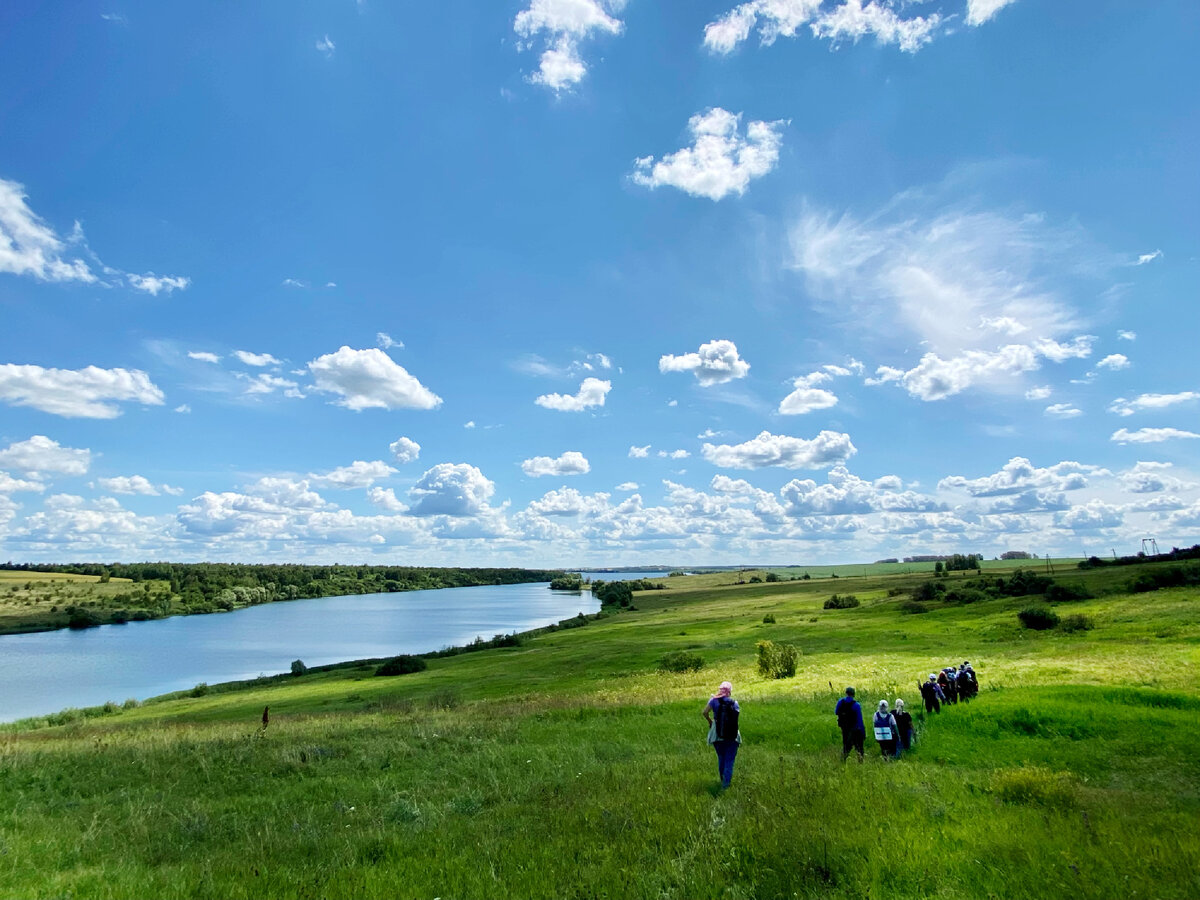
<point x="569" y="767"/>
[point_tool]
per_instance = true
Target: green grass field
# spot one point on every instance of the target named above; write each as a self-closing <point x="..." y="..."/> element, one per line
<point x="570" y="767"/>
<point x="38" y="601"/>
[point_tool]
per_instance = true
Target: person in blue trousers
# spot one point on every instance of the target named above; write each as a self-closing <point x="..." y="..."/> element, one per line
<point x="721" y="713"/>
<point x="850" y="721"/>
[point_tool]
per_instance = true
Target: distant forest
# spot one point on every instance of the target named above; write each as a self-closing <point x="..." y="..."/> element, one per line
<point x="209" y="587"/>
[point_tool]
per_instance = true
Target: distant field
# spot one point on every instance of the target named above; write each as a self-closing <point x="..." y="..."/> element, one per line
<point x="36" y="601"/>
<point x="570" y="766"/>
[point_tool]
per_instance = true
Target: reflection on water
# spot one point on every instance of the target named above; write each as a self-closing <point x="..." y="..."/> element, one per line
<point x="48" y="671"/>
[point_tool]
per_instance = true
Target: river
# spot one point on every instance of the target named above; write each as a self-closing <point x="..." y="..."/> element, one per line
<point x="48" y="671"/>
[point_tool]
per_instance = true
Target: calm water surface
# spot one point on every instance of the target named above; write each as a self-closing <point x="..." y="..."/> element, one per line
<point x="48" y="671"/>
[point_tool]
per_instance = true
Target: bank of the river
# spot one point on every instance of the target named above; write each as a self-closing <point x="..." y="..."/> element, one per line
<point x="570" y="766"/>
<point x="45" y="672"/>
<point x="87" y="595"/>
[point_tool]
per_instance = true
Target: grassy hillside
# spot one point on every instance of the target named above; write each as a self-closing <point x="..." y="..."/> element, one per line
<point x="570" y="767"/>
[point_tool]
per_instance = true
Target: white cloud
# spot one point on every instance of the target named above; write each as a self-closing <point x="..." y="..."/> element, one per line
<point x="28" y="246"/>
<point x="807" y="397"/>
<point x="469" y="425"/>
<point x="294" y="282"/>
<point x="10" y="485"/>
<point x="1150" y="478"/>
<point x="639" y="452"/>
<point x="980" y="11"/>
<point x="1038" y="393"/>
<point x="89" y="393"/>
<point x="673" y="454"/>
<point x="451" y="489"/>
<point x="1003" y="324"/>
<point x="204" y="356"/>
<point x="591" y="393"/>
<point x="627" y="486"/>
<point x="935" y="378"/>
<point x="1150" y="435"/>
<point x="846" y="20"/>
<point x="154" y="284"/>
<point x="326" y="47"/>
<point x="183" y="408"/>
<point x="385" y="340"/>
<point x="405" y="450"/>
<point x="847" y="494"/>
<point x="1019" y="476"/>
<point x="385" y="498"/>
<point x="1127" y="335"/>
<point x="370" y="379"/>
<point x="938" y="271"/>
<point x="714" y="363"/>
<point x="1123" y="407"/>
<point x="1114" y="361"/>
<point x="1063" y="411"/>
<point x="564" y="24"/>
<point x="826" y="449"/>
<point x="135" y="484"/>
<point x="570" y="463"/>
<point x="1148" y="258"/>
<point x="39" y="456"/>
<point x="1091" y="516"/>
<point x="720" y="161"/>
<point x="265" y="383"/>
<point x="359" y="474"/>
<point x="257" y="359"/>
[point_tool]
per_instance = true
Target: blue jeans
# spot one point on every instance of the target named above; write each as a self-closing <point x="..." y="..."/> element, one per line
<point x="726" y="754"/>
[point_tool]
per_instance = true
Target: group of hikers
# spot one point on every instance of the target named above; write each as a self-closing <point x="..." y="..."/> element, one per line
<point x="893" y="726"/>
<point x="894" y="731"/>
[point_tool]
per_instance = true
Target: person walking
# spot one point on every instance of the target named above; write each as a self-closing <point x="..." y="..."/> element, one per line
<point x="850" y="721"/>
<point x="721" y="713"/>
<point x="904" y="726"/>
<point x="884" y="724"/>
<point x="931" y="694"/>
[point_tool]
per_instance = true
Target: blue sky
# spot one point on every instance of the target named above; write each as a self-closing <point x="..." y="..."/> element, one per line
<point x="586" y="282"/>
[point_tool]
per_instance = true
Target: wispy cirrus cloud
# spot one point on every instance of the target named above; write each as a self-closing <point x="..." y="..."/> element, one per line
<point x="1123" y="407"/>
<point x="1150" y="435"/>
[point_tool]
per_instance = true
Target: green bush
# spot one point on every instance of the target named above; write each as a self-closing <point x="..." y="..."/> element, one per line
<point x="965" y="595"/>
<point x="298" y="667"/>
<point x="1077" y="622"/>
<point x="402" y="665"/>
<point x="772" y="577"/>
<point x="845" y="601"/>
<point x="1039" y="618"/>
<point x="1060" y="593"/>
<point x="769" y="619"/>
<point x="777" y="660"/>
<point x="199" y="690"/>
<point x="913" y="607"/>
<point x="82" y="618"/>
<point x="680" y="661"/>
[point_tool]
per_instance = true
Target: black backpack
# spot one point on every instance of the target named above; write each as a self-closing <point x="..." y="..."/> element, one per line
<point x="726" y="720"/>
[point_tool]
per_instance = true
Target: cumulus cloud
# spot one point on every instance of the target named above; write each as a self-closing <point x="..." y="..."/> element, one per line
<point x="1063" y="411"/>
<point x="1091" y="516"/>
<point x="591" y="393"/>
<point x="627" y="486"/>
<point x="405" y="450"/>
<point x="673" y="454"/>
<point x="562" y="25"/>
<point x="1150" y="435"/>
<point x="826" y="449"/>
<point x="839" y="21"/>
<point x="257" y="359"/>
<point x="720" y="160"/>
<point x="807" y="397"/>
<point x="1127" y="335"/>
<point x="135" y="484"/>
<point x="385" y="498"/>
<point x="29" y="246"/>
<point x="39" y="456"/>
<point x="847" y="494"/>
<point x="365" y="379"/>
<point x="359" y="474"/>
<point x="714" y="363"/>
<point x="1114" y="361"/>
<point x="203" y="356"/>
<point x="1123" y="407"/>
<point x="636" y="452"/>
<point x="89" y="393"/>
<point x="265" y="383"/>
<point x="1150" y="478"/>
<point x="1038" y="393"/>
<point x="1019" y="475"/>
<point x="570" y="463"/>
<point x="451" y="489"/>
<point x="10" y="485"/>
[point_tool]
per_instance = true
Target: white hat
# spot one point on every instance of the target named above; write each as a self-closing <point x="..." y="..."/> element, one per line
<point x="883" y="706"/>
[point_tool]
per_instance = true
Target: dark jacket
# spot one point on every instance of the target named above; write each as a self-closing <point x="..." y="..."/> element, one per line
<point x="849" y="715"/>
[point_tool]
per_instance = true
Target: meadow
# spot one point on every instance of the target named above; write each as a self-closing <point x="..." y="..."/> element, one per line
<point x="569" y="765"/>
